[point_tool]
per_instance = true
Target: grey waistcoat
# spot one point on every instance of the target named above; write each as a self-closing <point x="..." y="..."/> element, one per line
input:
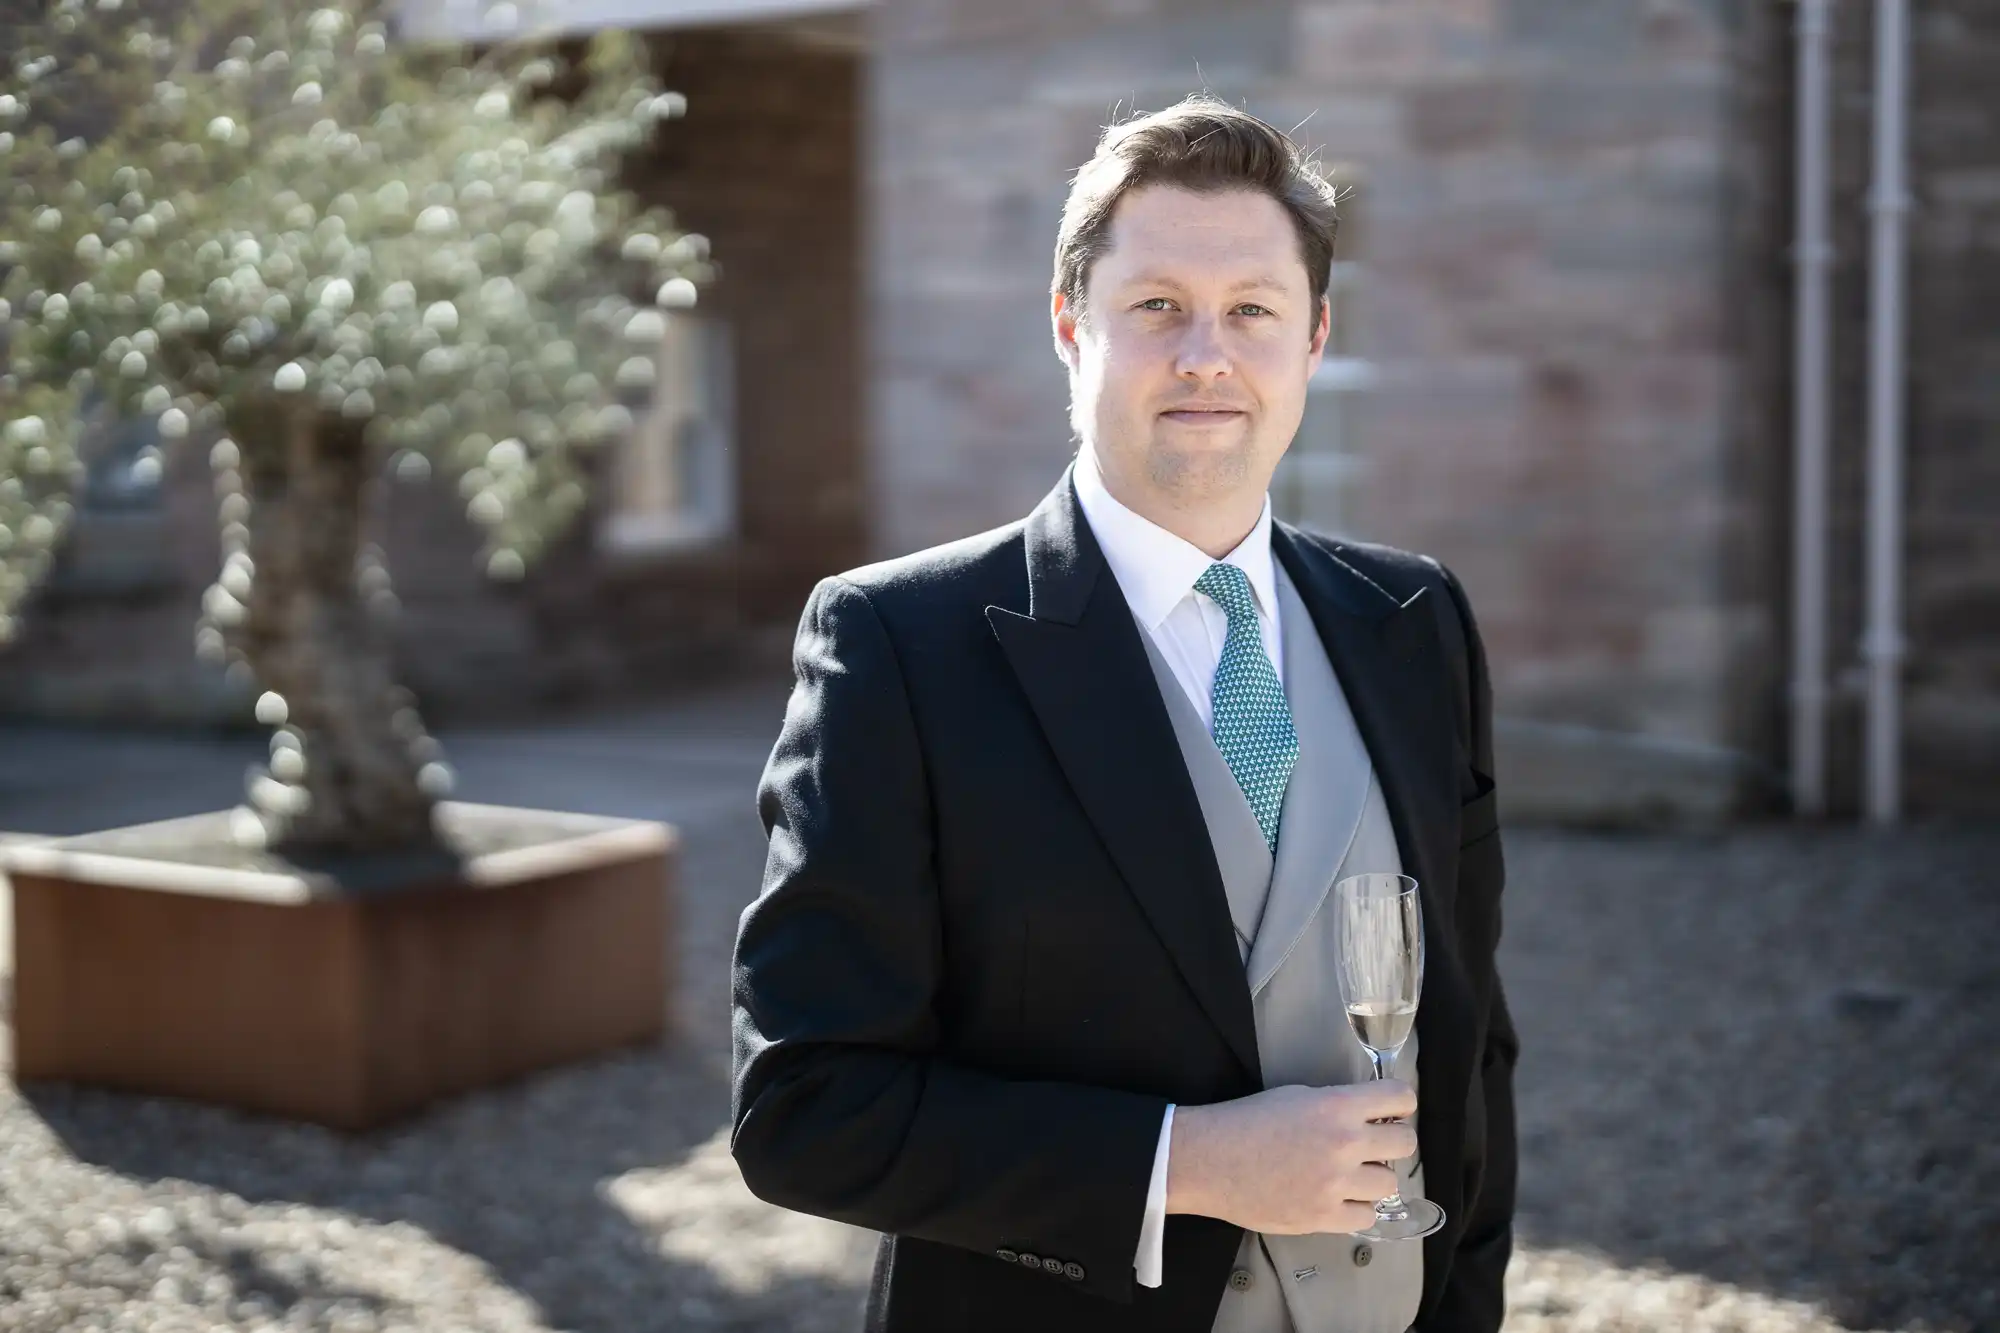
<point x="1334" y="824"/>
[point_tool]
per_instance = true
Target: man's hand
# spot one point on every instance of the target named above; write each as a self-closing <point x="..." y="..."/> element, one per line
<point x="1291" y="1160"/>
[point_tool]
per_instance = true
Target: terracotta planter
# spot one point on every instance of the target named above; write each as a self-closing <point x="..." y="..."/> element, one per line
<point x="161" y="958"/>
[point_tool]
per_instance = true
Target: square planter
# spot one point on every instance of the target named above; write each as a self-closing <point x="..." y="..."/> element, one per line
<point x="162" y="958"/>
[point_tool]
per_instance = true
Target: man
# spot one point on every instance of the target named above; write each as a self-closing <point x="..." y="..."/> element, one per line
<point x="1041" y="982"/>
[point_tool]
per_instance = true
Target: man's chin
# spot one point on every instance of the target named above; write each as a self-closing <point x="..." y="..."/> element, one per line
<point x="1194" y="469"/>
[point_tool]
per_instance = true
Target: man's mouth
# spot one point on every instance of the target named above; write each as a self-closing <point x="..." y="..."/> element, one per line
<point x="1203" y="416"/>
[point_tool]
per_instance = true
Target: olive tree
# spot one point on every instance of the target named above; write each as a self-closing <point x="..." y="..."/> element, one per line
<point x="328" y="258"/>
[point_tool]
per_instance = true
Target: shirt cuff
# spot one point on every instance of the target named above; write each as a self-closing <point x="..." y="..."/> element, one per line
<point x="1151" y="1258"/>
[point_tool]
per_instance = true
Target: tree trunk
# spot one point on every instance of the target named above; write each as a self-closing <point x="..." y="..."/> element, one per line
<point x="352" y="783"/>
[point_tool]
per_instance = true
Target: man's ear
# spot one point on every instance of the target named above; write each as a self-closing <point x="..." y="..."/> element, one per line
<point x="1322" y="330"/>
<point x="1062" y="323"/>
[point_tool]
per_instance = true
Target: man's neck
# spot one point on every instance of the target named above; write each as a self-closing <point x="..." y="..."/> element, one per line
<point x="1214" y="524"/>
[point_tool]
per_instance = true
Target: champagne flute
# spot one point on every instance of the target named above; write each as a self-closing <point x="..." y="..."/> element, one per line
<point x="1381" y="975"/>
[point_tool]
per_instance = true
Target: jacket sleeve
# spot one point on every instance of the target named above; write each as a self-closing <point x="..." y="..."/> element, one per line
<point x="1474" y="1298"/>
<point x="845" y="1104"/>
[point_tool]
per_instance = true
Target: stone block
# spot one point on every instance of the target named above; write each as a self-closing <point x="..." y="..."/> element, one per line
<point x="1373" y="45"/>
<point x="1592" y="108"/>
<point x="1463" y="115"/>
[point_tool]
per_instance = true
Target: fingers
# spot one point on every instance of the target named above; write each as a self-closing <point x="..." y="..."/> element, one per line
<point x="1374" y="1182"/>
<point x="1354" y="1217"/>
<point x="1388" y="1098"/>
<point x="1389" y="1142"/>
<point x="1350" y="1215"/>
<point x="1308" y="1159"/>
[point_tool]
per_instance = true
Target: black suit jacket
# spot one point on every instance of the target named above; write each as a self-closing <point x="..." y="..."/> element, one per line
<point x="993" y="944"/>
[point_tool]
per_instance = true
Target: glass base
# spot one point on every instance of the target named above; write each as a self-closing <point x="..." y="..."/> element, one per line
<point x="1416" y="1219"/>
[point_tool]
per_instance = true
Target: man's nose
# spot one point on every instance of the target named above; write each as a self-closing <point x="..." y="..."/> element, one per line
<point x="1201" y="354"/>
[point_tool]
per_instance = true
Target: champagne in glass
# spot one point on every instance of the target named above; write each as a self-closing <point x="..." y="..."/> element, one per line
<point x="1381" y="975"/>
<point x="1382" y="1025"/>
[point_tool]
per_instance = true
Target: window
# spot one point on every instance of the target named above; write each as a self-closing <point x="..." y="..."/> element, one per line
<point x="672" y="478"/>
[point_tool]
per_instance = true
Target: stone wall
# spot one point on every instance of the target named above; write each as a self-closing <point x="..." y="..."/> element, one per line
<point x="1570" y="223"/>
<point x="1555" y="223"/>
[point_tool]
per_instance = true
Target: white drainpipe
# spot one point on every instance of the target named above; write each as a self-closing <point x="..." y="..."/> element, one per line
<point x="1812" y="253"/>
<point x="1888" y="204"/>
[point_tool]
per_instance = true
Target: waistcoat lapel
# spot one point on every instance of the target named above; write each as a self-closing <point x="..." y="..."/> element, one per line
<point x="1238" y="841"/>
<point x="1323" y="800"/>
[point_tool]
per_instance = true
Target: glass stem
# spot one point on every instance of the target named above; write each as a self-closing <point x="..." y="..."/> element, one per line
<point x="1384" y="1061"/>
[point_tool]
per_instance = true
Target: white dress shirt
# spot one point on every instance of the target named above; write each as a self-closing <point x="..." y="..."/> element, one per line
<point x="1157" y="572"/>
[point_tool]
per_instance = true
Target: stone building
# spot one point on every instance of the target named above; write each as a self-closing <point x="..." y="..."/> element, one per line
<point x="1562" y="364"/>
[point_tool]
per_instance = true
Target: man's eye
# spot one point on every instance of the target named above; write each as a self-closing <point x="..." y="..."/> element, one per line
<point x="1254" y="309"/>
<point x="1155" y="303"/>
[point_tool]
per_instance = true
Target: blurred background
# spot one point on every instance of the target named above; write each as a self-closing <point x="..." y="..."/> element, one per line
<point x="1615" y="337"/>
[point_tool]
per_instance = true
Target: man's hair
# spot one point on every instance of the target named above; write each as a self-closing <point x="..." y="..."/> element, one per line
<point x="1203" y="144"/>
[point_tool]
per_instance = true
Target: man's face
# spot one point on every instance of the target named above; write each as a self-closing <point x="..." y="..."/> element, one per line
<point x="1189" y="366"/>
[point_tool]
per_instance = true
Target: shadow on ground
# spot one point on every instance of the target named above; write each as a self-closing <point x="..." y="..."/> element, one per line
<point x="603" y="1194"/>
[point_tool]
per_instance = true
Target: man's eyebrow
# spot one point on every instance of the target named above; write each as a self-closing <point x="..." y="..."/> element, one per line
<point x="1263" y="283"/>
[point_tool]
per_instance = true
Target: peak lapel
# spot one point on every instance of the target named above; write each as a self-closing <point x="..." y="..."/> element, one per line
<point x="1391" y="666"/>
<point x="1390" y="663"/>
<point x="1083" y="667"/>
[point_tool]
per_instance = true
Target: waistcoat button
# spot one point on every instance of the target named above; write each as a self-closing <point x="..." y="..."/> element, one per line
<point x="1363" y="1255"/>
<point x="1240" y="1280"/>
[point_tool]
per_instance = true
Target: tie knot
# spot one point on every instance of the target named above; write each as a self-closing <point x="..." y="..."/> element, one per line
<point x="1229" y="588"/>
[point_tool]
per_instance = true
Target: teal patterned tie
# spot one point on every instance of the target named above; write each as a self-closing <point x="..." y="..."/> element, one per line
<point x="1253" y="724"/>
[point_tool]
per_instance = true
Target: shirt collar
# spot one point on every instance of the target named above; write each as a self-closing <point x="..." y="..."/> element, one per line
<point x="1155" y="568"/>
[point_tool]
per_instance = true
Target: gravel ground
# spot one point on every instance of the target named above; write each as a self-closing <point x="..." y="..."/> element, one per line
<point x="1758" y="1080"/>
<point x="1755" y="1067"/>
